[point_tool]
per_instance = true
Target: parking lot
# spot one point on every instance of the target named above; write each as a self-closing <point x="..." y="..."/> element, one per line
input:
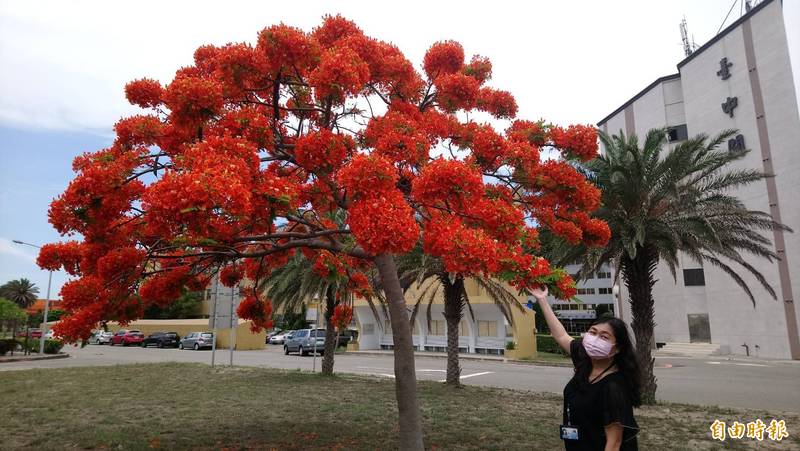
<point x="734" y="383"/>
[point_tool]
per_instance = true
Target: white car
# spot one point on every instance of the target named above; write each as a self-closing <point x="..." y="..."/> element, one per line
<point x="280" y="338"/>
<point x="100" y="337"/>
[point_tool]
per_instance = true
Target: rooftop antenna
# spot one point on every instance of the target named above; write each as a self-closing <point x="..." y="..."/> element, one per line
<point x="688" y="46"/>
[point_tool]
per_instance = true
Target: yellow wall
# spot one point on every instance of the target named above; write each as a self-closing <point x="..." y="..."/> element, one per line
<point x="244" y="339"/>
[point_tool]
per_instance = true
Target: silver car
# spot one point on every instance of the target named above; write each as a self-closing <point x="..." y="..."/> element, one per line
<point x="101" y="338"/>
<point x="303" y="341"/>
<point x="196" y="340"/>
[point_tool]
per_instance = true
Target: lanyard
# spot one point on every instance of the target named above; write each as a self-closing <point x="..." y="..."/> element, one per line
<point x="601" y="374"/>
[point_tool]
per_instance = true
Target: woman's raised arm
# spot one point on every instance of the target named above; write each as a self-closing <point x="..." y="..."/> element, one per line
<point x="556" y="328"/>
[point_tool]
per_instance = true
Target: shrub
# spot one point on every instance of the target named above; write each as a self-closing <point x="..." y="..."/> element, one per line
<point x="510" y="346"/>
<point x="8" y="344"/>
<point x="546" y="343"/>
<point x="50" y="346"/>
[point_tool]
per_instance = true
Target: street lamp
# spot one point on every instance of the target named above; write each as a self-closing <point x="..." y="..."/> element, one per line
<point x="46" y="301"/>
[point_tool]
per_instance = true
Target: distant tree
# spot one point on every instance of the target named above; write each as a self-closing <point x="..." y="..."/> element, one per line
<point x="21" y="291"/>
<point x="186" y="306"/>
<point x="11" y="315"/>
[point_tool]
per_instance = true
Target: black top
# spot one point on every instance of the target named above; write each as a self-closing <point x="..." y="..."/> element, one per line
<point x="594" y="406"/>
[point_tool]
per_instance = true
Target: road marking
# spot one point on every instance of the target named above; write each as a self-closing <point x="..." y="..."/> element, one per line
<point x="471" y="375"/>
<point x="736" y="363"/>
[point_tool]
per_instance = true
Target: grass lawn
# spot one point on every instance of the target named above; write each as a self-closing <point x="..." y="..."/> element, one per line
<point x="549" y="357"/>
<point x="191" y="406"/>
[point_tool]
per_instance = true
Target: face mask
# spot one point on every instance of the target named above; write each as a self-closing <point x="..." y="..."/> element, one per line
<point x="596" y="347"/>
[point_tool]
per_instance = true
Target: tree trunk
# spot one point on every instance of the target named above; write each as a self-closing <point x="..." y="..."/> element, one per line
<point x="453" y="310"/>
<point x="638" y="276"/>
<point x="330" y="333"/>
<point x="404" y="370"/>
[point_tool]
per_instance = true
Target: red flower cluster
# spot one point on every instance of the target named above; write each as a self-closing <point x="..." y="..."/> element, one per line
<point x="443" y="58"/>
<point x="457" y="92"/>
<point x="230" y="275"/>
<point x="138" y="131"/>
<point x="287" y="48"/>
<point x="193" y="99"/>
<point x="367" y="174"/>
<point x="67" y="255"/>
<point x="383" y="223"/>
<point x="144" y="92"/>
<point x="398" y="137"/>
<point x="258" y="311"/>
<point x="341" y="72"/>
<point x="447" y="182"/>
<point x="464" y="250"/>
<point x="342" y="316"/>
<point x="577" y="141"/>
<point x="479" y="68"/>
<point x="164" y="287"/>
<point x="328" y="265"/>
<point x="323" y="150"/>
<point x="500" y="104"/>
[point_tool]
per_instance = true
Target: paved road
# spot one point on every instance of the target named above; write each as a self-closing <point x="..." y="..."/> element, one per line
<point x="755" y="384"/>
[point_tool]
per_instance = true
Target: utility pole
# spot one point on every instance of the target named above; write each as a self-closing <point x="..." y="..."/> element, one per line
<point x="233" y="324"/>
<point x="214" y="321"/>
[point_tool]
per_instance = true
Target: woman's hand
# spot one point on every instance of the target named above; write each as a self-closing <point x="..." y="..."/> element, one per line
<point x="540" y="293"/>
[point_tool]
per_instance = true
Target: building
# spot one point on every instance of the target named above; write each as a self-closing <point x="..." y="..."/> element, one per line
<point x="488" y="333"/>
<point x="741" y="79"/>
<point x="596" y="296"/>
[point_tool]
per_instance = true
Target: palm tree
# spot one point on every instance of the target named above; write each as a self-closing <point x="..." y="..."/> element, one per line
<point x="430" y="277"/>
<point x="295" y="284"/>
<point x="22" y="292"/>
<point x="658" y="203"/>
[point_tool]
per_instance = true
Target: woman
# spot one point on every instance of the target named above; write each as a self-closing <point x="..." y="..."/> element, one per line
<point x="599" y="399"/>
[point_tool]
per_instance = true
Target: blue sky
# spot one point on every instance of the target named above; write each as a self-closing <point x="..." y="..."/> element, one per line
<point x="65" y="65"/>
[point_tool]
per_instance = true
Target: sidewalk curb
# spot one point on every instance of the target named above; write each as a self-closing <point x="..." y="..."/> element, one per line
<point x="480" y="359"/>
<point x="60" y="355"/>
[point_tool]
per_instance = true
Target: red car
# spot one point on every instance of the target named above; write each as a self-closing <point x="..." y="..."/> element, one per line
<point x="127" y="337"/>
<point x="32" y="333"/>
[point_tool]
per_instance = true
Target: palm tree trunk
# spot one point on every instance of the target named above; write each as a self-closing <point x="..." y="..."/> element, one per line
<point x="453" y="308"/>
<point x="638" y="276"/>
<point x="330" y="333"/>
<point x="404" y="370"/>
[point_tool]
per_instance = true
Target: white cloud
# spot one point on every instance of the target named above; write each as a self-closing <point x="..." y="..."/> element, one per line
<point x="17" y="251"/>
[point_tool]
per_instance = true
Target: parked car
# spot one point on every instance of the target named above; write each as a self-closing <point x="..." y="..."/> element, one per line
<point x="280" y="338"/>
<point x="126" y="337"/>
<point x="31" y="333"/>
<point x="100" y="337"/>
<point x="197" y="340"/>
<point x="162" y="340"/>
<point x="302" y="341"/>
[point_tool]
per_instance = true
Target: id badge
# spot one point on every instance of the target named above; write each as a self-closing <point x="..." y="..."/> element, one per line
<point x="569" y="432"/>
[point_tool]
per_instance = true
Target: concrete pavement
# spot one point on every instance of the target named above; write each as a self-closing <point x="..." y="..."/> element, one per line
<point x="770" y="385"/>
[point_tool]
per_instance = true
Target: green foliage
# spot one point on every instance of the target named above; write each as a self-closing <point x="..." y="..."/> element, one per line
<point x="186" y="306"/>
<point x="10" y="311"/>
<point x="546" y="343"/>
<point x="38" y="318"/>
<point x="50" y="346"/>
<point x="510" y="346"/>
<point x="21" y="292"/>
<point x="292" y="320"/>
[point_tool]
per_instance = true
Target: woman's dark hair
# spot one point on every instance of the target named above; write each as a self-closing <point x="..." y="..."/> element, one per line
<point x="625" y="359"/>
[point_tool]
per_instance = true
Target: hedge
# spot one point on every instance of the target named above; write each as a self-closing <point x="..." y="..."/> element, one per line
<point x="8" y="344"/>
<point x="50" y="346"/>
<point x="546" y="343"/>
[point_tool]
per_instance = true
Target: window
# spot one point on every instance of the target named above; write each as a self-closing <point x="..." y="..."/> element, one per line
<point x="677" y="133"/>
<point x="463" y="329"/>
<point x="604" y="290"/>
<point x="694" y="277"/>
<point x="387" y="327"/>
<point x="487" y="328"/>
<point x="437" y="327"/>
<point x="604" y="275"/>
<point x="585" y="290"/>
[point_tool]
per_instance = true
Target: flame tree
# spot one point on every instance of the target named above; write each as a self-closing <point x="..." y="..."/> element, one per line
<point x="244" y="157"/>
